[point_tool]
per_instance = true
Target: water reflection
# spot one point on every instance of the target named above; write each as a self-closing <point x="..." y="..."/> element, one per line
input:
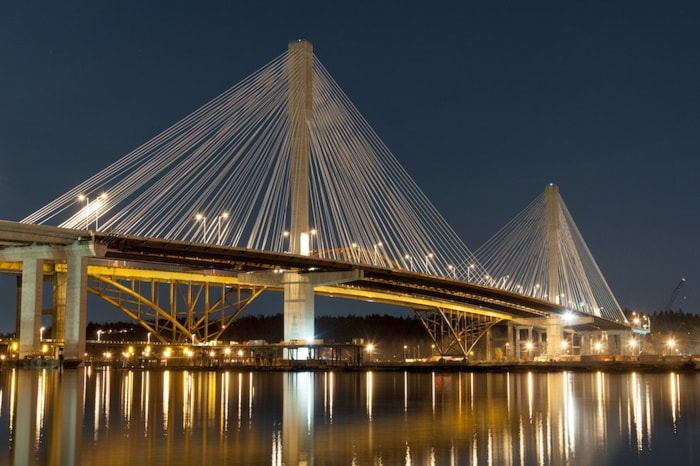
<point x="199" y="417"/>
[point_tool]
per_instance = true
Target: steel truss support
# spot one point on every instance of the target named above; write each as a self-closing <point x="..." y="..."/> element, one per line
<point x="455" y="333"/>
<point x="176" y="311"/>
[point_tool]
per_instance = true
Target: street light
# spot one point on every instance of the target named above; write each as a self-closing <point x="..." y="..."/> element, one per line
<point x="427" y="264"/>
<point x="453" y="270"/>
<point x="41" y="334"/>
<point x="633" y="345"/>
<point x="376" y="252"/>
<point x="148" y="338"/>
<point x="410" y="262"/>
<point x="469" y="270"/>
<point x="312" y="234"/>
<point x="203" y="219"/>
<point x="405" y="349"/>
<point x="671" y="343"/>
<point x="370" y="348"/>
<point x="103" y="196"/>
<point x="87" y="211"/>
<point x="99" y="334"/>
<point x="218" y="221"/>
<point x="285" y="237"/>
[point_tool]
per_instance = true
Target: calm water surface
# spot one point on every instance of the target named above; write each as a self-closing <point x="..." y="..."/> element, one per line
<point x="107" y="417"/>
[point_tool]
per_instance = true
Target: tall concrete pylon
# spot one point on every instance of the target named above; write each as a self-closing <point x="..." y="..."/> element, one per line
<point x="552" y="219"/>
<point x="298" y="285"/>
<point x="298" y="291"/>
<point x="300" y="112"/>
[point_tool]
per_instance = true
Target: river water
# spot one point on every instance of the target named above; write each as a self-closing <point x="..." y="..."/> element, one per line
<point x="181" y="417"/>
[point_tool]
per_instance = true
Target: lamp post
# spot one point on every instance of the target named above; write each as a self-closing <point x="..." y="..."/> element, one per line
<point x="218" y="222"/>
<point x="427" y="263"/>
<point x="410" y="262"/>
<point x="376" y="252"/>
<point x="102" y="197"/>
<point x="598" y="347"/>
<point x="87" y="211"/>
<point x="99" y="335"/>
<point x="453" y="270"/>
<point x="203" y="219"/>
<point x="285" y="237"/>
<point x="148" y="338"/>
<point x="671" y="343"/>
<point x="405" y="349"/>
<point x="312" y="235"/>
<point x="41" y="334"/>
<point x="469" y="270"/>
<point x="633" y="345"/>
<point x="354" y="247"/>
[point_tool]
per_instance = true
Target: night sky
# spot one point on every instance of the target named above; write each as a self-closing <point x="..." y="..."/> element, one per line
<point x="483" y="103"/>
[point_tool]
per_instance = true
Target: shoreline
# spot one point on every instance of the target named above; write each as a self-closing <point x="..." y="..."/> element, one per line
<point x="685" y="366"/>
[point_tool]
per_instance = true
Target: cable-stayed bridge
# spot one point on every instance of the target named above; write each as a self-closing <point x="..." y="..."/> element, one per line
<point x="280" y="183"/>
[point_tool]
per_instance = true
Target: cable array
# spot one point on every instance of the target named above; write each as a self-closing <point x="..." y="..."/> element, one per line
<point x="522" y="258"/>
<point x="221" y="176"/>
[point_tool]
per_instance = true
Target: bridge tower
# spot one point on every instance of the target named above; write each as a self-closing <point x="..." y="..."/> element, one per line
<point x="552" y="209"/>
<point x="298" y="291"/>
<point x="299" y="111"/>
<point x="299" y="285"/>
<point x="552" y="220"/>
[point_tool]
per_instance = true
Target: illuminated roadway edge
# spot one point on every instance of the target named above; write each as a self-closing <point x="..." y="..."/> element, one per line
<point x="148" y="258"/>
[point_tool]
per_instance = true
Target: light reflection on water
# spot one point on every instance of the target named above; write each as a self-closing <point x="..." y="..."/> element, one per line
<point x="110" y="417"/>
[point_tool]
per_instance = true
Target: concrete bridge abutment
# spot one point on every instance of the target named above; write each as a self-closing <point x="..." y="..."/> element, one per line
<point x="70" y="295"/>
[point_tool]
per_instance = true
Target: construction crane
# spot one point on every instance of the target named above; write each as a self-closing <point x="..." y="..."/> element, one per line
<point x="671" y="299"/>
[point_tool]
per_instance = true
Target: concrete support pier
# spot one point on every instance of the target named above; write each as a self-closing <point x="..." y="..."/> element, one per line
<point x="70" y="289"/>
<point x="31" y="304"/>
<point x="76" y="303"/>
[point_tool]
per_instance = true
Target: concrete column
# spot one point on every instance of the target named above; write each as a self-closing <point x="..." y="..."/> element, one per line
<point x="298" y="307"/>
<point x="554" y="330"/>
<point x="76" y="304"/>
<point x="299" y="297"/>
<point x="299" y="108"/>
<point x="517" y="343"/>
<point x="58" y="313"/>
<point x="30" y="310"/>
<point x="489" y="345"/>
<point x="552" y="209"/>
<point x="509" y="345"/>
<point x="586" y="345"/>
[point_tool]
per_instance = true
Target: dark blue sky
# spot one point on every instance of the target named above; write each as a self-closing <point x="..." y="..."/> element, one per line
<point x="483" y="103"/>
